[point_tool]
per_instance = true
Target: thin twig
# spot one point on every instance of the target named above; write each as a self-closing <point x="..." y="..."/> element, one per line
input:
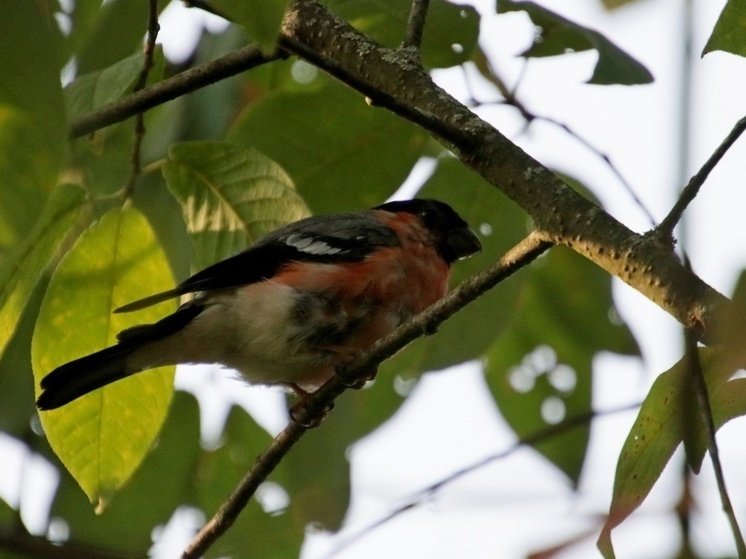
<point x="190" y="80"/>
<point x="319" y="402"/>
<point x="415" y="26"/>
<point x="703" y="401"/>
<point x="665" y="229"/>
<point x="425" y="493"/>
<point x="142" y="80"/>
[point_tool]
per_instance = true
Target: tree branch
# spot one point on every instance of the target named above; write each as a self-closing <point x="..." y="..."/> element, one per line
<point x="395" y="82"/>
<point x="190" y="80"/>
<point x="316" y="404"/>
<point x="690" y="191"/>
<point x="560" y="214"/>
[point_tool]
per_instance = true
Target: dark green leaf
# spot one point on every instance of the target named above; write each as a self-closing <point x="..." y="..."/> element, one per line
<point x="729" y="34"/>
<point x="450" y="35"/>
<point x="32" y="118"/>
<point x="230" y="196"/>
<point x="559" y="35"/>
<point x="539" y="372"/>
<point x="151" y="497"/>
<point x="341" y="153"/>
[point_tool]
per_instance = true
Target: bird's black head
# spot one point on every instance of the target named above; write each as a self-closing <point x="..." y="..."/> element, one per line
<point x="456" y="239"/>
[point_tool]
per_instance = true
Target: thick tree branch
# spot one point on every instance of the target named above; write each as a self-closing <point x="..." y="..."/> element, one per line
<point x="561" y="215"/>
<point x="397" y="83"/>
<point x="316" y="405"/>
<point x="190" y="80"/>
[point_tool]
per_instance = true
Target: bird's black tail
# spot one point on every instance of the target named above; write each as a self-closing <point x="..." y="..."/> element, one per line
<point x="77" y="378"/>
<point x="84" y="375"/>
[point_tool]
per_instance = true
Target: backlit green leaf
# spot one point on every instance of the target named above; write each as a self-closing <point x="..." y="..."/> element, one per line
<point x="230" y="196"/>
<point x="161" y="482"/>
<point x="102" y="437"/>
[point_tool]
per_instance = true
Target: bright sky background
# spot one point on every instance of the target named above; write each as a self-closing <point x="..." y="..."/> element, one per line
<point x="521" y="504"/>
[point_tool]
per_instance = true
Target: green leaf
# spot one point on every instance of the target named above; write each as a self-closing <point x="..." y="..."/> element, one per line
<point x="96" y="89"/>
<point x="260" y="18"/>
<point x="341" y="153"/>
<point x="32" y="118"/>
<point x="539" y="371"/>
<point x="102" y="437"/>
<point x="559" y="36"/>
<point x="450" y="34"/>
<point x="230" y="196"/>
<point x="216" y="475"/>
<point x="116" y="32"/>
<point x="23" y="268"/>
<point x="669" y="415"/>
<point x="729" y="34"/>
<point x="156" y="490"/>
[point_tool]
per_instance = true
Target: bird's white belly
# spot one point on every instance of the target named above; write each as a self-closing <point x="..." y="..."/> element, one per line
<point x="255" y="331"/>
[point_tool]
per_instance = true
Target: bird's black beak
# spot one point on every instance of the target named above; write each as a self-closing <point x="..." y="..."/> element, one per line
<point x="459" y="243"/>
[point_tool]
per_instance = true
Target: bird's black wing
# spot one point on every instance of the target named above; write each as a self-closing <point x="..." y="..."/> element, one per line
<point x="347" y="237"/>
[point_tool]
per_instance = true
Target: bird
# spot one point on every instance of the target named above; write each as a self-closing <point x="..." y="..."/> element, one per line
<point x="302" y="301"/>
